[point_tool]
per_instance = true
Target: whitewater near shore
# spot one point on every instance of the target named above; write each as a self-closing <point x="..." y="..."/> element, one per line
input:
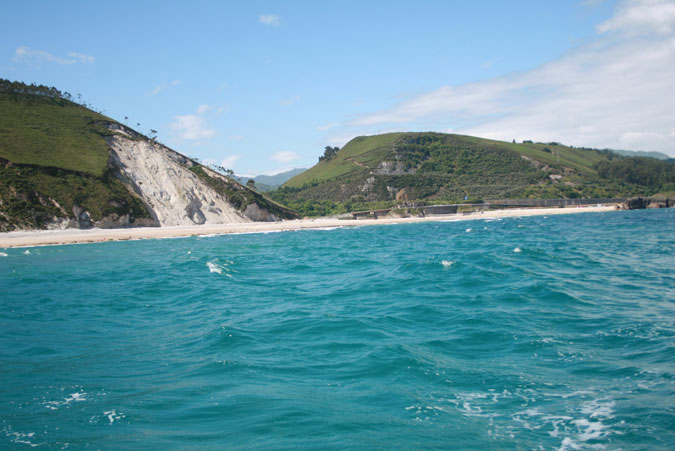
<point x="73" y="236"/>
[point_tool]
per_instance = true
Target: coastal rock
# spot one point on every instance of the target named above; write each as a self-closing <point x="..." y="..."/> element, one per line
<point x="255" y="213"/>
<point x="173" y="194"/>
<point x="635" y="203"/>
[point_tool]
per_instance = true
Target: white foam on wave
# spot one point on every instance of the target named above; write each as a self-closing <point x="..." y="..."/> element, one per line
<point x="326" y="228"/>
<point x="74" y="397"/>
<point x="23" y="438"/>
<point x="586" y="424"/>
<point x="592" y="427"/>
<point x="447" y="263"/>
<point x="516" y="250"/>
<point x="468" y="230"/>
<point x="219" y="268"/>
<point x="2" y="254"/>
<point x="598" y="408"/>
<point x="113" y="415"/>
<point x="214" y="268"/>
<point x="26" y="252"/>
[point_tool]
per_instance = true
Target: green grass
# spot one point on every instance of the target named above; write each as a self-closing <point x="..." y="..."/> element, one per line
<point x="665" y="195"/>
<point x="367" y="151"/>
<point x="31" y="195"/>
<point x="364" y="153"/>
<point x="54" y="156"/>
<point x="447" y="168"/>
<point x="44" y="131"/>
<point x="241" y="197"/>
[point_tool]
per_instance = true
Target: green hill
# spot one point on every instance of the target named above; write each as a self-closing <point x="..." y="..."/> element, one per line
<point x="53" y="156"/>
<point x="436" y="167"/>
<point x="56" y="168"/>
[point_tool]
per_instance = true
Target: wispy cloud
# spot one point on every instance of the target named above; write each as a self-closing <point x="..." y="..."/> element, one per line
<point x="24" y="53"/>
<point x="271" y="20"/>
<point x="81" y="57"/>
<point x="284" y="157"/>
<point x="162" y="86"/>
<point x="616" y="91"/>
<point x="229" y="161"/>
<point x="646" y="16"/>
<point x="328" y="126"/>
<point x="201" y="109"/>
<point x="236" y="137"/>
<point x="487" y="64"/>
<point x="191" y="127"/>
<point x="290" y="100"/>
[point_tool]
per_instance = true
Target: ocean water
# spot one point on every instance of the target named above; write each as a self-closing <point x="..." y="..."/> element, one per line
<point x="525" y="333"/>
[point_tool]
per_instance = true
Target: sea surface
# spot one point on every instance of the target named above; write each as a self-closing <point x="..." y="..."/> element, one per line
<point x="525" y="333"/>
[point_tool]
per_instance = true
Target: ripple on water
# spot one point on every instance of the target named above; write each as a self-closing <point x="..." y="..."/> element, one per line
<point x="418" y="336"/>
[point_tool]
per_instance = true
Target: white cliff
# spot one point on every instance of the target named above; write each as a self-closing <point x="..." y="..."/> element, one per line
<point x="174" y="195"/>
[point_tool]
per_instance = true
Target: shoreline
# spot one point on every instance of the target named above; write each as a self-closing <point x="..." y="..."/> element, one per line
<point x="77" y="236"/>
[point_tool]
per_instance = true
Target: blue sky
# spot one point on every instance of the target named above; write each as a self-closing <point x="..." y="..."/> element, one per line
<point x="264" y="86"/>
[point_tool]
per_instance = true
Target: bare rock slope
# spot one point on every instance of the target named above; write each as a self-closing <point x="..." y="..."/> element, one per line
<point x="177" y="191"/>
<point x="162" y="178"/>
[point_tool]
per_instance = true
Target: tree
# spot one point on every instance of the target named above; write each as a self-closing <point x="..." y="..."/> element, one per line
<point x="329" y="153"/>
<point x="250" y="183"/>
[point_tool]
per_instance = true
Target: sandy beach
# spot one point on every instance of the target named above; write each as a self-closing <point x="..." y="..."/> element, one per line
<point x="74" y="236"/>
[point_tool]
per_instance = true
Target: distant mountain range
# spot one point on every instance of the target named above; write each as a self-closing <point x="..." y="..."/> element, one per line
<point x="265" y="183"/>
<point x="642" y="153"/>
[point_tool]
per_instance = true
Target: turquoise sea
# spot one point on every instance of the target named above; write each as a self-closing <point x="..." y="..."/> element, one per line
<point x="526" y="333"/>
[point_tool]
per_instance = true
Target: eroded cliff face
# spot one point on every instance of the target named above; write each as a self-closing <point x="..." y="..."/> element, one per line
<point x="162" y="178"/>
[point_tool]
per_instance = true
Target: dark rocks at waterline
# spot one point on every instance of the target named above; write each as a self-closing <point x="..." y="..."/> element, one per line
<point x="640" y="203"/>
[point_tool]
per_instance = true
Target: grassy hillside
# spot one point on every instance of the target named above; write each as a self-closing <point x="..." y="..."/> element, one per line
<point x="55" y="163"/>
<point x="436" y="167"/>
<point x="53" y="132"/>
<point x="240" y="196"/>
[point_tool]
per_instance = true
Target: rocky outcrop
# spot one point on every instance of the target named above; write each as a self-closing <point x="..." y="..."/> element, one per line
<point x="639" y="203"/>
<point x="162" y="178"/>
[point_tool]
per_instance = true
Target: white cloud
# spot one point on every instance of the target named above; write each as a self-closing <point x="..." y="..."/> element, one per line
<point x="271" y="20"/>
<point x="487" y="64"/>
<point x="602" y="94"/>
<point x="249" y="173"/>
<point x="229" y="162"/>
<point x="82" y="58"/>
<point x="236" y="137"/>
<point x="191" y="127"/>
<point x="327" y="126"/>
<point x="161" y="87"/>
<point x="201" y="109"/>
<point x="285" y="157"/>
<point x="290" y="100"/>
<point x="642" y="16"/>
<point x="24" y="53"/>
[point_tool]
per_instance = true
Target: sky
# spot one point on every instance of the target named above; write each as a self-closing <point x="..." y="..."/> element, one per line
<point x="264" y="86"/>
